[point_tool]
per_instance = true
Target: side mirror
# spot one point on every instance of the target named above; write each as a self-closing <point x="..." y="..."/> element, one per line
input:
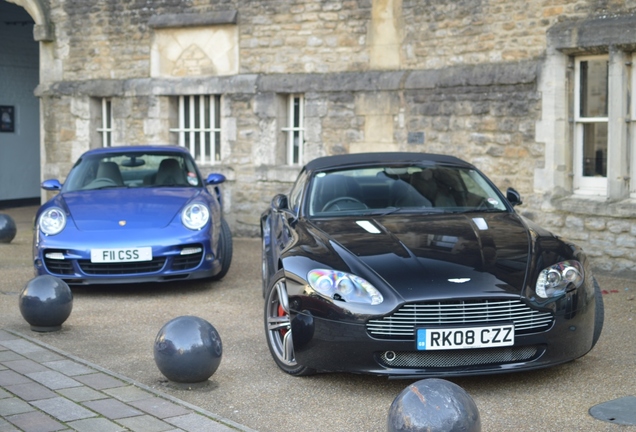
<point x="280" y="202"/>
<point x="215" y="179"/>
<point x="514" y="198"/>
<point x="51" y="185"/>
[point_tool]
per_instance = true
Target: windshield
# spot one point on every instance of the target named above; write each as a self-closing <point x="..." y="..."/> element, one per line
<point x="132" y="170"/>
<point x="383" y="190"/>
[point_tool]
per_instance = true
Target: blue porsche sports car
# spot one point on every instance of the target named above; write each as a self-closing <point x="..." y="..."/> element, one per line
<point x="133" y="214"/>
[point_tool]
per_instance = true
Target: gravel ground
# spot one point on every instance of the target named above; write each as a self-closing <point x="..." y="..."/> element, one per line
<point x="115" y="328"/>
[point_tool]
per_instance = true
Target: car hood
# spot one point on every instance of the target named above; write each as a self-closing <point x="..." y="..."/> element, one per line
<point x="465" y="255"/>
<point x="138" y="208"/>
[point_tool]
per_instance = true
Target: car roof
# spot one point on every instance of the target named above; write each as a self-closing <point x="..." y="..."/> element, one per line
<point x="362" y="159"/>
<point x="138" y="149"/>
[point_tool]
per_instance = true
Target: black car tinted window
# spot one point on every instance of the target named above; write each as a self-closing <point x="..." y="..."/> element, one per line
<point x="403" y="188"/>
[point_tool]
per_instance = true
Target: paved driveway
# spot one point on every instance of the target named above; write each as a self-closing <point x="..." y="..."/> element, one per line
<point x="115" y="327"/>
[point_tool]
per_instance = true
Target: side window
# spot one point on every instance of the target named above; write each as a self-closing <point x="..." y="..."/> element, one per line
<point x="296" y="194"/>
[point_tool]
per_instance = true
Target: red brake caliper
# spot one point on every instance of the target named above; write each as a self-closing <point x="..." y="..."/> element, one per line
<point x="281" y="313"/>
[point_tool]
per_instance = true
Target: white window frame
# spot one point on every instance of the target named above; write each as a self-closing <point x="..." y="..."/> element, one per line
<point x="200" y="129"/>
<point x="106" y="128"/>
<point x="632" y="129"/>
<point x="295" y="129"/>
<point x="585" y="185"/>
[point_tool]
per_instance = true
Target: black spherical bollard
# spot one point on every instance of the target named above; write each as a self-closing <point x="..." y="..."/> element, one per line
<point x="7" y="228"/>
<point x="433" y="405"/>
<point x="45" y="303"/>
<point x="188" y="349"/>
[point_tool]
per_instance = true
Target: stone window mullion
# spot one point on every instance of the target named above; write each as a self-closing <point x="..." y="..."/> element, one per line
<point x="617" y="133"/>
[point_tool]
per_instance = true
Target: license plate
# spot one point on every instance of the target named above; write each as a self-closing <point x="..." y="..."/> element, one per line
<point x="121" y="255"/>
<point x="465" y="337"/>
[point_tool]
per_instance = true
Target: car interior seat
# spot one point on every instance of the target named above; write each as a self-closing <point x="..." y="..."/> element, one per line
<point x="170" y="173"/>
<point x="405" y="195"/>
<point x="434" y="185"/>
<point x="110" y="170"/>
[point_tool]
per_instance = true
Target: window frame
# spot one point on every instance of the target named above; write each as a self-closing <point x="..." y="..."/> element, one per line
<point x="586" y="185"/>
<point x="190" y="131"/>
<point x="295" y="128"/>
<point x="106" y="122"/>
<point x="631" y="138"/>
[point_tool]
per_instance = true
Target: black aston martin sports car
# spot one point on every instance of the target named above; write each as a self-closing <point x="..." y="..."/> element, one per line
<point x="416" y="265"/>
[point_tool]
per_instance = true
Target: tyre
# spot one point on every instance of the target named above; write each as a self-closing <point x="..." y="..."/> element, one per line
<point x="599" y="313"/>
<point x="224" y="249"/>
<point x="265" y="265"/>
<point x="278" y="329"/>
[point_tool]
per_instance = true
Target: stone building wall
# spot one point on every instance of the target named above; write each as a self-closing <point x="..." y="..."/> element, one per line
<point x="466" y="77"/>
<point x="112" y="39"/>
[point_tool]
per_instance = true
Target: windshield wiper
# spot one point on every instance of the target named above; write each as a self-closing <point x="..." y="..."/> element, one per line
<point x="392" y="210"/>
<point x="107" y="187"/>
<point x="475" y="210"/>
<point x="386" y="211"/>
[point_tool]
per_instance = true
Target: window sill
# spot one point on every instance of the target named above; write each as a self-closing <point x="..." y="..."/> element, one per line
<point x="595" y="205"/>
<point x="193" y="19"/>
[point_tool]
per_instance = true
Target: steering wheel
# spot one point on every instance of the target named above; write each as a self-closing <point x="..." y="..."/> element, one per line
<point x="345" y="199"/>
<point x="101" y="182"/>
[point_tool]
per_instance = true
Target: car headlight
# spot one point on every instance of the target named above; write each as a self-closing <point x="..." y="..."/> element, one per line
<point x="344" y="287"/>
<point x="559" y="278"/>
<point x="52" y="221"/>
<point x="195" y="216"/>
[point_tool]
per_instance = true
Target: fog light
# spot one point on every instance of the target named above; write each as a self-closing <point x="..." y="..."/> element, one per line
<point x="54" y="255"/>
<point x="190" y="250"/>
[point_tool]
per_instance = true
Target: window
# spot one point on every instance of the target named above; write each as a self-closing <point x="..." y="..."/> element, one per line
<point x="294" y="129"/>
<point x="587" y="121"/>
<point x="295" y="195"/>
<point x="591" y="100"/>
<point x="106" y="123"/>
<point x="200" y="127"/>
<point x="632" y="128"/>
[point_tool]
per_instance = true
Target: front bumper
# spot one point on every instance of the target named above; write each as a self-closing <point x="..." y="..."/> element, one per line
<point x="174" y="257"/>
<point x="329" y="345"/>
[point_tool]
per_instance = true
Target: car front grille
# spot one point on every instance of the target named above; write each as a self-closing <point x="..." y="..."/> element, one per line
<point x="458" y="358"/>
<point x="65" y="267"/>
<point x="402" y="324"/>
<point x="122" y="267"/>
